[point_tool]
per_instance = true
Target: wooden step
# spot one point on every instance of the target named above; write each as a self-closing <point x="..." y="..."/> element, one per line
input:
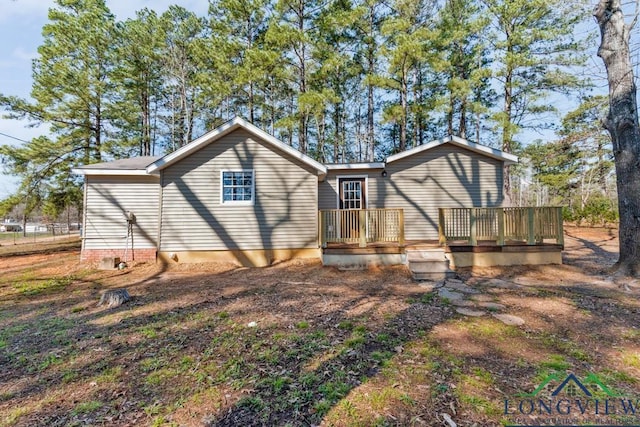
<point x="429" y="264"/>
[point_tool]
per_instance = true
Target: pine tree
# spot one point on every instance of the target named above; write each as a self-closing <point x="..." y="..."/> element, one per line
<point x="534" y="46"/>
<point x="183" y="95"/>
<point x="293" y="33"/>
<point x="72" y="94"/>
<point x="406" y="34"/>
<point x="138" y="78"/>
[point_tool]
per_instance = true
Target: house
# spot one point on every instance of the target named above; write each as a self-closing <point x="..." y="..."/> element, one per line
<point x="239" y="194"/>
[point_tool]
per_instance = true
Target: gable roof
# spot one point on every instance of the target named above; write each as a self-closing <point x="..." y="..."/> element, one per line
<point x="130" y="166"/>
<point x="507" y="158"/>
<point x="228" y="127"/>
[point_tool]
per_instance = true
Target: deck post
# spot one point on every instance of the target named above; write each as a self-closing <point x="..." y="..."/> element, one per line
<point x="500" y="213"/>
<point x="362" y="227"/>
<point x="321" y="231"/>
<point x="473" y="237"/>
<point x="401" y="227"/>
<point x="560" y="227"/>
<point x="531" y="238"/>
<point x="442" y="239"/>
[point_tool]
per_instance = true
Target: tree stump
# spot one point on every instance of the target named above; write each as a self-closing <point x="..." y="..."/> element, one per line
<point x="114" y="297"/>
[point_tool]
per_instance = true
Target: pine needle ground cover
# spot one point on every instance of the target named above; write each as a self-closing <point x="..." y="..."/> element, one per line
<point x="301" y="344"/>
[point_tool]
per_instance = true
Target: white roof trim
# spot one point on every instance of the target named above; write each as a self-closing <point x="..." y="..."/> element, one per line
<point x="225" y="129"/>
<point x="507" y="158"/>
<point x="124" y="172"/>
<point x="372" y="165"/>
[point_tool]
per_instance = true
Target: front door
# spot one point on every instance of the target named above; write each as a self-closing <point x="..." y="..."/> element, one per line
<point x="352" y="193"/>
<point x="352" y="199"/>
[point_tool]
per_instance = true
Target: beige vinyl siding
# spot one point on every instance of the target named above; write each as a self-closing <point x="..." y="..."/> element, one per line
<point x="328" y="189"/>
<point x="445" y="176"/>
<point x="284" y="214"/>
<point x="108" y="198"/>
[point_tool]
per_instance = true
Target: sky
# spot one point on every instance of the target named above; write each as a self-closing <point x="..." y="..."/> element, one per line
<point x="21" y="24"/>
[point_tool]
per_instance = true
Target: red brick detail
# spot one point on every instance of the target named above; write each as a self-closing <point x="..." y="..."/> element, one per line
<point x="141" y="255"/>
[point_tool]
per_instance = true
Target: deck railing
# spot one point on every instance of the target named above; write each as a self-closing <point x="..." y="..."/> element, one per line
<point x="502" y="225"/>
<point x="361" y="226"/>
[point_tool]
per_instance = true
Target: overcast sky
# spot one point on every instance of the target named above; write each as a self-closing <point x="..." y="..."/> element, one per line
<point x="21" y="24"/>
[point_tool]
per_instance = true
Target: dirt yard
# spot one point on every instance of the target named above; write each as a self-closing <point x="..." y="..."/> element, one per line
<point x="300" y="344"/>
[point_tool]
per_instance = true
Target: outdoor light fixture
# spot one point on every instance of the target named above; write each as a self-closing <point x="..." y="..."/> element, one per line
<point x="384" y="173"/>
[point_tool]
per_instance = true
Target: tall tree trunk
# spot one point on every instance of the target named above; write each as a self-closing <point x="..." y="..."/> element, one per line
<point x="622" y="124"/>
<point x="507" y="133"/>
<point x="404" y="111"/>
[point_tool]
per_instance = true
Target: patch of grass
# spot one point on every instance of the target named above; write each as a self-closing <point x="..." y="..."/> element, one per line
<point x="382" y="357"/>
<point x="14" y="415"/>
<point x="480" y="404"/>
<point x="557" y="362"/>
<point x="428" y="298"/>
<point x="160" y="376"/>
<point x="109" y="375"/>
<point x="50" y="359"/>
<point x="6" y="396"/>
<point x="610" y="376"/>
<point x="360" y="329"/>
<point x="253" y="403"/>
<point x="347" y="325"/>
<point x="223" y="315"/>
<point x="630" y="358"/>
<point x="384" y="398"/>
<point x="302" y="325"/>
<point x="186" y="363"/>
<point x="151" y="364"/>
<point x="333" y="391"/>
<point x="631" y="334"/>
<point x="78" y="309"/>
<point x="87" y="407"/>
<point x="355" y="341"/>
<point x="69" y="377"/>
<point x="36" y="287"/>
<point x="149" y="332"/>
<point x="407" y="400"/>
<point x="483" y="375"/>
<point x="322" y="407"/>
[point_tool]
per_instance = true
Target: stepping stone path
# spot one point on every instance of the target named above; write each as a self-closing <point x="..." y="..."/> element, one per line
<point x="491" y="305"/>
<point x="449" y="294"/>
<point x="509" y="319"/>
<point x="471" y="302"/>
<point x="469" y="312"/>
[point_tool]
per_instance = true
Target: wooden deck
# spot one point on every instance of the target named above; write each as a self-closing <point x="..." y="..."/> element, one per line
<point x="482" y="246"/>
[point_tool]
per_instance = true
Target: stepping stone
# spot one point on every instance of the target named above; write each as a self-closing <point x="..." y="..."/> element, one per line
<point x="469" y="312"/>
<point x="462" y="303"/>
<point x="482" y="297"/>
<point x="509" y="319"/>
<point x="461" y="287"/>
<point x="449" y="294"/>
<point x="491" y="305"/>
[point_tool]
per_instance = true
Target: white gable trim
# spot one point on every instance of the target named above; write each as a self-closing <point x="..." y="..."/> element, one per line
<point x="345" y="166"/>
<point x="104" y="172"/>
<point x="228" y="127"/>
<point x="507" y="158"/>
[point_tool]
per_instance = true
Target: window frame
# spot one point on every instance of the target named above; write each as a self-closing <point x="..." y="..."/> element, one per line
<point x="238" y="202"/>
<point x="365" y="188"/>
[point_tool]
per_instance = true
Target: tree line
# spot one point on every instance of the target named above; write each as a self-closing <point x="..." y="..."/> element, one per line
<point x="340" y="80"/>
